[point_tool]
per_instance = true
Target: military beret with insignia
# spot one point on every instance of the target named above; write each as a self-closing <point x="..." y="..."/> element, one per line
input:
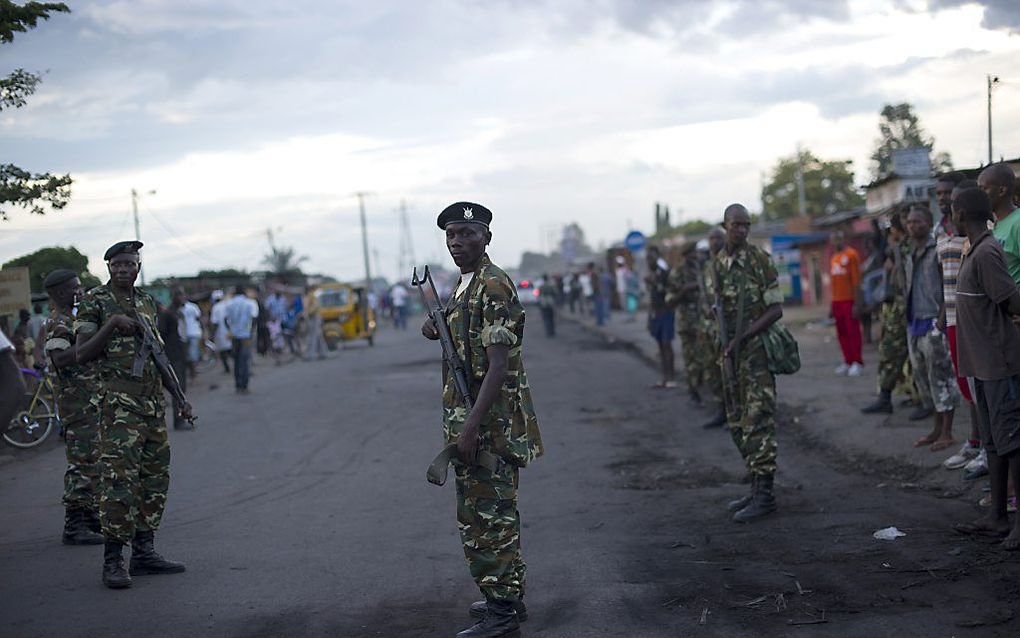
<point x="58" y="277"/>
<point x="464" y="212"/>
<point x="122" y="247"/>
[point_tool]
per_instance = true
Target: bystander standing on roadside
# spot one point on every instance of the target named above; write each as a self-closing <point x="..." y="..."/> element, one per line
<point x="587" y="281"/>
<point x="988" y="301"/>
<point x="929" y="347"/>
<point x="12" y="383"/>
<point x="398" y="297"/>
<point x="845" y="273"/>
<point x="240" y="319"/>
<point x="193" y="332"/>
<point x="547" y="304"/>
<point x="661" y="321"/>
<point x="218" y="326"/>
<point x="171" y="323"/>
<point x="316" y="345"/>
<point x="605" y="293"/>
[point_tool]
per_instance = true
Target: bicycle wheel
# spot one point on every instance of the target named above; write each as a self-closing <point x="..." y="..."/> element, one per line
<point x="208" y="360"/>
<point x="32" y="424"/>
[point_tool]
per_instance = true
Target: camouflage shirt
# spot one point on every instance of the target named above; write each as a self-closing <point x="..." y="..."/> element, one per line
<point x="686" y="303"/>
<point x="142" y="395"/>
<point x="489" y="313"/>
<point x="78" y="383"/>
<point x="752" y="268"/>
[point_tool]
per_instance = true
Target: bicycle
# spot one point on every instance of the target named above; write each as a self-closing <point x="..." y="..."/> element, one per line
<point x="31" y="425"/>
<point x="209" y="357"/>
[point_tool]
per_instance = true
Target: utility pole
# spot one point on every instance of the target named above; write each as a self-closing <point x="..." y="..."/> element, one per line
<point x="364" y="248"/>
<point x="992" y="80"/>
<point x="405" y="258"/>
<point x="138" y="234"/>
<point x="801" y="199"/>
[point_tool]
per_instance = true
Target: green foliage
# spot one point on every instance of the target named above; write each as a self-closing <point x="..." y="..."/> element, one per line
<point x="899" y="127"/>
<point x="15" y="18"/>
<point x="225" y="273"/>
<point x="828" y="187"/>
<point x="283" y="260"/>
<point x="32" y="191"/>
<point x="45" y="260"/>
<point x="691" y="228"/>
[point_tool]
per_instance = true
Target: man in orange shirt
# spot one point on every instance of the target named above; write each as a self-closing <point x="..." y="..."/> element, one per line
<point x="845" y="272"/>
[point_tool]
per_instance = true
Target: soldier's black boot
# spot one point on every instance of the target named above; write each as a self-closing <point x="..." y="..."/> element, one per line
<point x="92" y="520"/>
<point x="478" y="610"/>
<point x="717" y="421"/>
<point x="762" y="503"/>
<point x="741" y="503"/>
<point x="882" y="405"/>
<point x="500" y="621"/>
<point x="145" y="560"/>
<point x="114" y="574"/>
<point x="76" y="532"/>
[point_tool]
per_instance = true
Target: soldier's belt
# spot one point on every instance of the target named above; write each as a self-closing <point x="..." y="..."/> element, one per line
<point x="135" y="388"/>
<point x="440" y="467"/>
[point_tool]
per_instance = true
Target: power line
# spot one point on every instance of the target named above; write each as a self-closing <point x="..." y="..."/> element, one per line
<point x="180" y="242"/>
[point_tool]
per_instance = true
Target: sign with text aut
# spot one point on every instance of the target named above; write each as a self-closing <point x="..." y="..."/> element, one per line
<point x="15" y="292"/>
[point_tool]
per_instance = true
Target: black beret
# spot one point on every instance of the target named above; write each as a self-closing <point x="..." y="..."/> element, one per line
<point x="58" y="277"/>
<point x="465" y="212"/>
<point x="122" y="247"/>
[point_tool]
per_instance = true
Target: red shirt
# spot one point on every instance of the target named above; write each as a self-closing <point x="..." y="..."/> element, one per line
<point x="846" y="274"/>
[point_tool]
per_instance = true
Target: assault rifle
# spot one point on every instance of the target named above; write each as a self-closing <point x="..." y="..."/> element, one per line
<point x="437" y="313"/>
<point x="153" y="347"/>
<point x="729" y="373"/>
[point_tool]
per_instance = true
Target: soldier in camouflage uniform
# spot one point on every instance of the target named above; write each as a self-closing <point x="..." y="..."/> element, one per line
<point x="708" y="338"/>
<point x="135" y="452"/>
<point x="892" y="346"/>
<point x="744" y="275"/>
<point x="486" y="321"/>
<point x="682" y="291"/>
<point x="78" y="393"/>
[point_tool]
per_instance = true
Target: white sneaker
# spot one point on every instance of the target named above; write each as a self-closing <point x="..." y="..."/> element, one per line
<point x="841" y="370"/>
<point x="961" y="458"/>
<point x="977" y="468"/>
<point x="854" y="370"/>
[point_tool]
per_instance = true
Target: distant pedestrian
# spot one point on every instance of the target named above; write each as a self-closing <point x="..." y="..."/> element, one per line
<point x="605" y="294"/>
<point x="241" y="313"/>
<point x="682" y="295"/>
<point x="12" y="382"/>
<point x="845" y="273"/>
<point x="218" y="325"/>
<point x="171" y="324"/>
<point x="398" y="297"/>
<point x="574" y="293"/>
<point x="587" y="280"/>
<point x="989" y="351"/>
<point x="661" y="322"/>
<point x="193" y="333"/>
<point x="316" y="345"/>
<point x="929" y="347"/>
<point x="547" y="304"/>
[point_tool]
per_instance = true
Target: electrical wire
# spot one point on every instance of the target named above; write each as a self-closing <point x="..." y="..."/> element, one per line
<point x="180" y="242"/>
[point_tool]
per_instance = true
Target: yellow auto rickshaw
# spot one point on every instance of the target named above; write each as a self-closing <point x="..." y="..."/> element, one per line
<point x="346" y="314"/>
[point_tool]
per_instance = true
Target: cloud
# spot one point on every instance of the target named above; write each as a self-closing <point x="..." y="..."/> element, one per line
<point x="998" y="14"/>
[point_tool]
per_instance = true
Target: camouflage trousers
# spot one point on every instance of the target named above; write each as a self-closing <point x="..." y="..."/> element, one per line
<point x="694" y="361"/>
<point x="934" y="375"/>
<point x="135" y="465"/>
<point x="490" y="530"/>
<point x="708" y="346"/>
<point x="751" y="410"/>
<point x="892" y="346"/>
<point x="81" y="447"/>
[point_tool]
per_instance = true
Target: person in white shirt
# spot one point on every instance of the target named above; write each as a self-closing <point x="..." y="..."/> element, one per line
<point x="398" y="296"/>
<point x="192" y="333"/>
<point x="218" y="326"/>
<point x="241" y="312"/>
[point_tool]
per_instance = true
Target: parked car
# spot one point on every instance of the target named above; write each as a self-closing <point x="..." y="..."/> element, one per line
<point x="527" y="292"/>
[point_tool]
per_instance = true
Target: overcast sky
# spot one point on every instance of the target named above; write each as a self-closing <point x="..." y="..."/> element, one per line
<point x="249" y="114"/>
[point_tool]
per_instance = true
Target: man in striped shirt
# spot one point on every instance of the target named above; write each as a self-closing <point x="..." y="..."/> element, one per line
<point x="951" y="246"/>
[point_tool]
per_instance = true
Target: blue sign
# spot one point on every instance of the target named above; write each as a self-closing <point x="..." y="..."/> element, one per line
<point x="635" y="241"/>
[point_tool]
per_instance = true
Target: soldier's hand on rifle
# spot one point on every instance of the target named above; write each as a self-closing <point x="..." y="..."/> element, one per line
<point x="185" y="411"/>
<point x="728" y="352"/>
<point x="428" y="329"/>
<point x="124" y="324"/>
<point x="467" y="443"/>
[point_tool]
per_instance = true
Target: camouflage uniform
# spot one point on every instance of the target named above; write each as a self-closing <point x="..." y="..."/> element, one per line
<point x="79" y="397"/>
<point x="488" y="313"/>
<point x="135" y="453"/>
<point x="685" y="273"/>
<point x="893" y="353"/>
<point x="751" y="408"/>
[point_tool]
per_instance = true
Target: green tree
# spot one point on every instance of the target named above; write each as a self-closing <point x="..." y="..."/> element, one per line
<point x="18" y="187"/>
<point x="899" y="127"/>
<point x="45" y="260"/>
<point x="828" y="187"/>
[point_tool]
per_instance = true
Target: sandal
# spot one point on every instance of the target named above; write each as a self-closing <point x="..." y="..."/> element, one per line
<point x="938" y="446"/>
<point x="926" y="440"/>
